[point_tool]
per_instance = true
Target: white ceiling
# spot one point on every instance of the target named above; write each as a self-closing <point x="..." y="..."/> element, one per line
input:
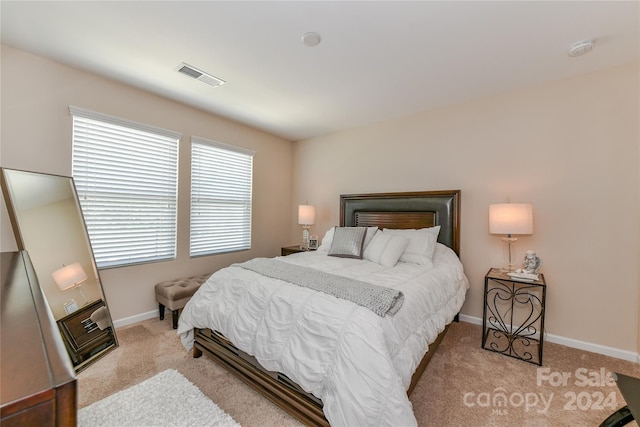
<point x="377" y="60"/>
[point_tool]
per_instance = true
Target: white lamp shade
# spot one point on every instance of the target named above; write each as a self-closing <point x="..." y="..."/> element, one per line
<point x="511" y="218"/>
<point x="306" y="215"/>
<point x="69" y="276"/>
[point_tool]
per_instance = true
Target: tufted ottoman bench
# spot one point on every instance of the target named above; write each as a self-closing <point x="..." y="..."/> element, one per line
<point x="174" y="294"/>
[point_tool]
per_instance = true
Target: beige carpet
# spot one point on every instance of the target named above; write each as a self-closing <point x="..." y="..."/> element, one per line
<point x="463" y="385"/>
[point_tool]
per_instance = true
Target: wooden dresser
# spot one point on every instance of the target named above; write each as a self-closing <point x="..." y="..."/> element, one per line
<point x="37" y="382"/>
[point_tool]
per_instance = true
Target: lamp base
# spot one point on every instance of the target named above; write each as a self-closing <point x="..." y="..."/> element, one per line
<point x="510" y="266"/>
<point x="305" y="237"/>
<point x="83" y="296"/>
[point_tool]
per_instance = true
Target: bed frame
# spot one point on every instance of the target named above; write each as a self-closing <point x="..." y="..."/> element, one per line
<point x="385" y="210"/>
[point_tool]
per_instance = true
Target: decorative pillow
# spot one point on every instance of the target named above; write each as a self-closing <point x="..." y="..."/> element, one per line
<point x="328" y="238"/>
<point x="386" y="248"/>
<point x="348" y="242"/>
<point x="422" y="243"/>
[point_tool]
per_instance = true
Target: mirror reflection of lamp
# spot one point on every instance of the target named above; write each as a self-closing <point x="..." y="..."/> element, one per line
<point x="70" y="276"/>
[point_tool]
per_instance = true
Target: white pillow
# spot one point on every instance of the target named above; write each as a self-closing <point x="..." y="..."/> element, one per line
<point x="422" y="243"/>
<point x="325" y="245"/>
<point x="371" y="232"/>
<point x="386" y="248"/>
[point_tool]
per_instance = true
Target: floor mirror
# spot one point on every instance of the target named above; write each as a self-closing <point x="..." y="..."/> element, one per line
<point x="47" y="222"/>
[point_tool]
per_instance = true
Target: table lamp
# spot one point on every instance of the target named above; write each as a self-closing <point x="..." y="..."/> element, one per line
<point x="306" y="218"/>
<point x="510" y="219"/>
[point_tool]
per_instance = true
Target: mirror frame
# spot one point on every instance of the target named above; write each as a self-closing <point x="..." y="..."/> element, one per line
<point x="102" y="344"/>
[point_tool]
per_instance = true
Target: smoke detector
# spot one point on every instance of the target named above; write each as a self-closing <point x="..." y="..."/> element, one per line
<point x="311" y="39"/>
<point x="194" y="73"/>
<point x="580" y="48"/>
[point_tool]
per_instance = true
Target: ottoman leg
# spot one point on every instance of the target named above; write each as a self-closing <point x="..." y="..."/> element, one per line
<point x="175" y="319"/>
<point x="161" y="309"/>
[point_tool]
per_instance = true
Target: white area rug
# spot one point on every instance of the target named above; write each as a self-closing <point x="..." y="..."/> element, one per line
<point x="166" y="399"/>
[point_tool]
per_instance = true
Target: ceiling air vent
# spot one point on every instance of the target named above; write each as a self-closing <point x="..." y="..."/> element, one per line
<point x="194" y="73"/>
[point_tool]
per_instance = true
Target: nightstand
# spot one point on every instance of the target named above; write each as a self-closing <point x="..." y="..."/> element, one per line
<point x="513" y="316"/>
<point x="288" y="250"/>
<point x="82" y="336"/>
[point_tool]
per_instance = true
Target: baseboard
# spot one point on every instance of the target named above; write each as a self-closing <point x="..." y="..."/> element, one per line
<point x="135" y="319"/>
<point x="570" y="342"/>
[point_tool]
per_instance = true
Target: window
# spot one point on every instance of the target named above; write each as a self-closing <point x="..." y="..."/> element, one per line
<point x="126" y="177"/>
<point x="221" y="180"/>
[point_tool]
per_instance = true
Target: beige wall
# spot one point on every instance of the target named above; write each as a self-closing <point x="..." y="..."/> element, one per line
<point x="571" y="148"/>
<point x="36" y="135"/>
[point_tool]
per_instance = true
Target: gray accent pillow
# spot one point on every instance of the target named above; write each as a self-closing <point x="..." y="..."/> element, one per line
<point x="348" y="242"/>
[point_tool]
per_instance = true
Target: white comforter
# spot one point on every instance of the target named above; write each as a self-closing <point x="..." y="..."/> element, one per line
<point x="358" y="363"/>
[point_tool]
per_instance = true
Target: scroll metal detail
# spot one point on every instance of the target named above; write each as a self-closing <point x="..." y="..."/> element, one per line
<point x="514" y="319"/>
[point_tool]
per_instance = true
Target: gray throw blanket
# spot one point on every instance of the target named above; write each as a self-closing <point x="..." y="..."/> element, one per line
<point x="380" y="300"/>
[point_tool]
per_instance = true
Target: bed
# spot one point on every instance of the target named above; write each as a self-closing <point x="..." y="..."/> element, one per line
<point x="303" y="349"/>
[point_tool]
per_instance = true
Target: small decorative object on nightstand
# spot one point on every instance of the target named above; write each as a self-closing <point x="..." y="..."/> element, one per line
<point x="532" y="263"/>
<point x="70" y="306"/>
<point x="313" y="243"/>
<point x="513" y="315"/>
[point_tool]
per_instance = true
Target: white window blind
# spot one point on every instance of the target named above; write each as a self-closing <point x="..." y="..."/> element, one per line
<point x="126" y="177"/>
<point x="221" y="183"/>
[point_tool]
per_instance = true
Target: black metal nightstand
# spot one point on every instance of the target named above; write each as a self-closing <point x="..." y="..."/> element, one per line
<point x="513" y="316"/>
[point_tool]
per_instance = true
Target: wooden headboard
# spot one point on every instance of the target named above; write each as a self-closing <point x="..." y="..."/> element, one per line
<point x="406" y="210"/>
